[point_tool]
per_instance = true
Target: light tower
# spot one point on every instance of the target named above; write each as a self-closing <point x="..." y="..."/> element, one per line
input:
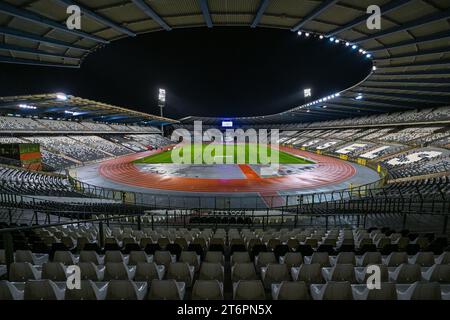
<point x="162" y="104"/>
<point x="307" y="93"/>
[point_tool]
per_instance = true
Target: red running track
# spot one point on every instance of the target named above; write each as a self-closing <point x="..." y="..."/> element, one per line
<point x="328" y="171"/>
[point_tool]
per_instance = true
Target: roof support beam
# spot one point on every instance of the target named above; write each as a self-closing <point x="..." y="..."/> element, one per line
<point x="316" y="12"/>
<point x="206" y="15"/>
<point x="413" y="74"/>
<point x="393" y="5"/>
<point x="406" y="97"/>
<point x="443" y="15"/>
<point x="374" y="102"/>
<point x="95" y="16"/>
<point x="352" y="109"/>
<point x="422" y="82"/>
<point x="32" y="37"/>
<point x="412" y="90"/>
<point x="443" y="50"/>
<point x="438" y="62"/>
<point x="13" y="48"/>
<point x="141" y="4"/>
<point x="418" y="40"/>
<point x="262" y="8"/>
<point x="36" y="63"/>
<point x="36" y="18"/>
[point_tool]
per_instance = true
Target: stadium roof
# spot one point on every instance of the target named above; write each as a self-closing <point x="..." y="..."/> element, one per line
<point x="411" y="51"/>
<point x="61" y="106"/>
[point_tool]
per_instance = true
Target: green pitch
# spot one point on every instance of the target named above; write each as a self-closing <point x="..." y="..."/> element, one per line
<point x="166" y="157"/>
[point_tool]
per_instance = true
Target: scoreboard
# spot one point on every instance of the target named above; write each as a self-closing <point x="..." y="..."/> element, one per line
<point x="25" y="155"/>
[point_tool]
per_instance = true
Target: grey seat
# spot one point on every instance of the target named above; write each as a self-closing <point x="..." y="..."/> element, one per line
<point x="211" y="271"/>
<point x="243" y="271"/>
<point x="249" y="290"/>
<point x="180" y="272"/>
<point x="116" y="271"/>
<point x="321" y="258"/>
<point x="122" y="290"/>
<point x="65" y="257"/>
<point x="42" y="290"/>
<point x="275" y="273"/>
<point x="293" y="290"/>
<point x="146" y="271"/>
<point x="310" y="273"/>
<point x="137" y="257"/>
<point x="88" y="291"/>
<point x="240" y="257"/>
<point x="90" y="256"/>
<point x="22" y="271"/>
<point x="165" y="290"/>
<point x="113" y="256"/>
<point x="207" y="290"/>
<point x="54" y="271"/>
<point x="9" y="292"/>
<point x="89" y="271"/>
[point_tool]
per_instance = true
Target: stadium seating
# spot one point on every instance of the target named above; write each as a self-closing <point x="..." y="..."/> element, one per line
<point x="120" y="276"/>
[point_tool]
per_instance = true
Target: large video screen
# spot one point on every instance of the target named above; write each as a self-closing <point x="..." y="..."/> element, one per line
<point x="227" y="124"/>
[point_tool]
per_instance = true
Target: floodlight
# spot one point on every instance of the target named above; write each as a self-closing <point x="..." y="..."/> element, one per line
<point x="307" y="92"/>
<point x="61" y="96"/>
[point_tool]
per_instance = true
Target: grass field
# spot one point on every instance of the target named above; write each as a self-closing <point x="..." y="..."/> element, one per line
<point x="166" y="156"/>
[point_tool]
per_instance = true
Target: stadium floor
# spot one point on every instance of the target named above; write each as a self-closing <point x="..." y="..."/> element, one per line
<point x="237" y="181"/>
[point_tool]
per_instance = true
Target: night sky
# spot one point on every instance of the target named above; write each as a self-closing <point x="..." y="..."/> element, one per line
<point x="206" y="72"/>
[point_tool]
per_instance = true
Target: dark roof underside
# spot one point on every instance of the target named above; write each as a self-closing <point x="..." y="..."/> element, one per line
<point x="411" y="51"/>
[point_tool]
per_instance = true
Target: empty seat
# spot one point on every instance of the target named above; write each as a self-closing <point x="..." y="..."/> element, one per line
<point x="371" y="258"/>
<point x="243" y="271"/>
<point x="42" y="290"/>
<point x="23" y="271"/>
<point x="181" y="272"/>
<point x="9" y="292"/>
<point x="54" y="271"/>
<point x="89" y="271"/>
<point x="240" y="257"/>
<point x="264" y="258"/>
<point x="117" y="271"/>
<point x="65" y="257"/>
<point x="136" y="257"/>
<point x="438" y="273"/>
<point x="407" y="273"/>
<point x="333" y="291"/>
<point x="28" y="256"/>
<point x="148" y="271"/>
<point x="207" y="290"/>
<point x="291" y="290"/>
<point x="321" y="258"/>
<point x="396" y="258"/>
<point x="444" y="258"/>
<point x="124" y="290"/>
<point x="274" y="273"/>
<point x="249" y="290"/>
<point x="422" y="291"/>
<point x="346" y="258"/>
<point x="214" y="257"/>
<point x="310" y="273"/>
<point x="166" y="290"/>
<point x="163" y="257"/>
<point x="343" y="272"/>
<point x="387" y="291"/>
<point x="424" y="259"/>
<point x="90" y="256"/>
<point x="191" y="258"/>
<point x="113" y="256"/>
<point x="88" y="291"/>
<point x="292" y="259"/>
<point x="211" y="271"/>
<point x="384" y="273"/>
